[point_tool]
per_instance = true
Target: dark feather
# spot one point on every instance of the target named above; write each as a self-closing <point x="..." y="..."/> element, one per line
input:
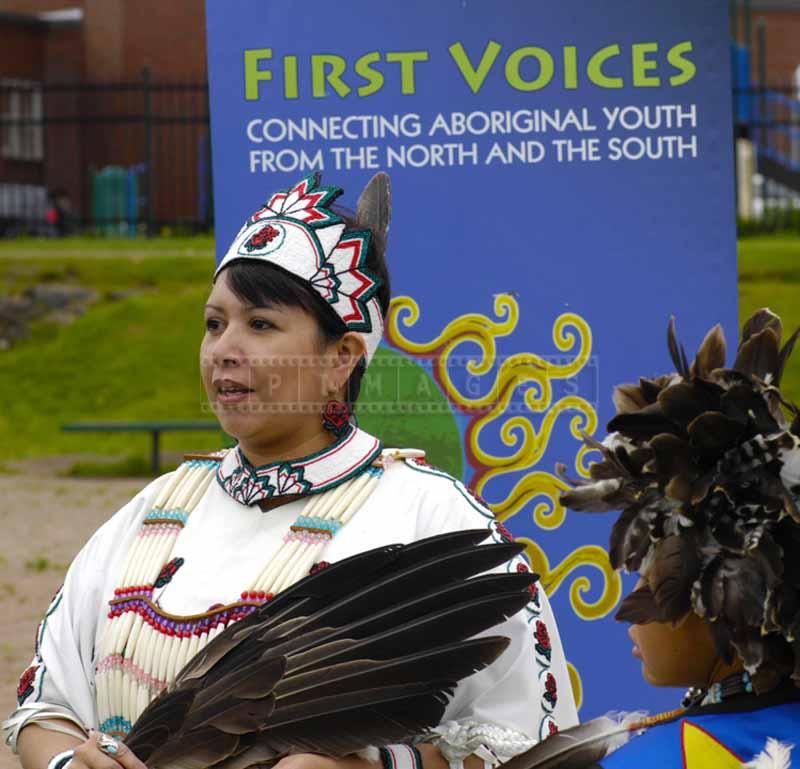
<point x="374" y="208"/>
<point x="643" y="424"/>
<point x="234" y="716"/>
<point x="160" y="719"/>
<point x="338" y="734"/>
<point x="758" y="321"/>
<point x="675" y="567"/>
<point x="783" y="357"/>
<point x="640" y="608"/>
<point x="577" y="748"/>
<point x="758" y="356"/>
<point x="652" y="387"/>
<point x="676" y="351"/>
<point x="629" y="398"/>
<point x="630" y="538"/>
<point x="743" y="403"/>
<point x="684" y="401"/>
<point x="456" y="623"/>
<point x="364" y="698"/>
<point x="252" y="680"/>
<point x="671" y="456"/>
<point x="593" y="497"/>
<point x="361" y="674"/>
<point x="196" y="750"/>
<point x="713" y="433"/>
<point x="711" y="354"/>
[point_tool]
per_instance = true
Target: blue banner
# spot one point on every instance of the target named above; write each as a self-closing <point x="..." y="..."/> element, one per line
<point x="562" y="183"/>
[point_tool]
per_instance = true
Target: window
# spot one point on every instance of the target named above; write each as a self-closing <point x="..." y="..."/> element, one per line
<point x="21" y="115"/>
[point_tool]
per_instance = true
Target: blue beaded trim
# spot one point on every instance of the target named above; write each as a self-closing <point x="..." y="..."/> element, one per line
<point x="307" y="522"/>
<point x="203" y="462"/>
<point x="116" y="724"/>
<point x="176" y="514"/>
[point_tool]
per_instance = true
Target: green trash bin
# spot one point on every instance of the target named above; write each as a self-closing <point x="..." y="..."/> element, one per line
<point x="110" y="200"/>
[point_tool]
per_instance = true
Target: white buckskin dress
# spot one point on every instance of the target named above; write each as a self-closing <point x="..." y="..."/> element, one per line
<point x="193" y="552"/>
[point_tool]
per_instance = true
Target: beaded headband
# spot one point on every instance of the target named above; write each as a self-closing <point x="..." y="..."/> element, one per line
<point x="296" y="231"/>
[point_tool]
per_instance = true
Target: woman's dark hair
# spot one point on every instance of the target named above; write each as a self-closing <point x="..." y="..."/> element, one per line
<point x="264" y="284"/>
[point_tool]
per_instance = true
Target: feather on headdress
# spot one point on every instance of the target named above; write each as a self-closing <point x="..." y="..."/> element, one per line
<point x="704" y="464"/>
<point x="365" y="652"/>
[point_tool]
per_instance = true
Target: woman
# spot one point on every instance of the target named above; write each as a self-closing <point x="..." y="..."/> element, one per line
<point x="705" y="466"/>
<point x="294" y="316"/>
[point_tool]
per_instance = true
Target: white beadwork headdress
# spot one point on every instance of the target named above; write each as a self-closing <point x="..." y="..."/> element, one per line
<point x="296" y="231"/>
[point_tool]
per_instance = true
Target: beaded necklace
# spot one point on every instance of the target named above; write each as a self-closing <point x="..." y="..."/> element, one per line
<point x="738" y="683"/>
<point x="142" y="647"/>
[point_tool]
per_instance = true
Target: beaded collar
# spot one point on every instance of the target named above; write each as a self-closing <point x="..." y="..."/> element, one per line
<point x="350" y="455"/>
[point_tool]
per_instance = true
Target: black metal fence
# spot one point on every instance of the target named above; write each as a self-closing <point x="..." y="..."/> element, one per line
<point x="135" y="158"/>
<point x="767" y="134"/>
<point x="117" y="158"/>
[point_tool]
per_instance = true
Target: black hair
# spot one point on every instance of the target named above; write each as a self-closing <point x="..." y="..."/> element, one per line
<point x="263" y="284"/>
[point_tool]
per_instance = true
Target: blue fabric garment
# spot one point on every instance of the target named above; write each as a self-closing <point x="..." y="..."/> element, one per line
<point x="742" y="733"/>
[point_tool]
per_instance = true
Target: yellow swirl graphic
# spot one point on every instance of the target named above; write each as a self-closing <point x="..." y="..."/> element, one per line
<point x="577" y="684"/>
<point x="495" y="410"/>
<point x="571" y="334"/>
<point x="587" y="555"/>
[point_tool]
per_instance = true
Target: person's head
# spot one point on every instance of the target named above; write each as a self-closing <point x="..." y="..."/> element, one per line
<point x="704" y="464"/>
<point x="272" y="332"/>
<point x="681" y="653"/>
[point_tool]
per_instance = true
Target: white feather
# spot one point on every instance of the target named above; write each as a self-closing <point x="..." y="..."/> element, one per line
<point x="776" y="755"/>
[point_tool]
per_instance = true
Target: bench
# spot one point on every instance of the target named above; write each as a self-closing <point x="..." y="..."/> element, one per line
<point x="154" y="428"/>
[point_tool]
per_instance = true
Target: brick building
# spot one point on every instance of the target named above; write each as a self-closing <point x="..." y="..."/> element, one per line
<point x="781" y="20"/>
<point x="73" y="102"/>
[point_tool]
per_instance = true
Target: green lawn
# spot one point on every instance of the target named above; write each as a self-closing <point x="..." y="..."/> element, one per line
<point x="769" y="276"/>
<point x="136" y="358"/>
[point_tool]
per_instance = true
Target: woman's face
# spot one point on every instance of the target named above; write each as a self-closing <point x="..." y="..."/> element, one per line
<point x="674" y="656"/>
<point x="274" y="353"/>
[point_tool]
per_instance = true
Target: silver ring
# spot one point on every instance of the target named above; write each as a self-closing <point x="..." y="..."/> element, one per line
<point x="107" y="744"/>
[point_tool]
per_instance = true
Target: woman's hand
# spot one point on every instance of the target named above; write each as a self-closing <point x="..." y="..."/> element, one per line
<point x="317" y="761"/>
<point x="89" y="756"/>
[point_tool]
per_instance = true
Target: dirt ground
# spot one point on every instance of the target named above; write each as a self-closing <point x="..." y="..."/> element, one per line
<point x="44" y="520"/>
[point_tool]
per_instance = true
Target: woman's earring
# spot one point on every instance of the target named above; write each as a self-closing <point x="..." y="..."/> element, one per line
<point x="336" y="417"/>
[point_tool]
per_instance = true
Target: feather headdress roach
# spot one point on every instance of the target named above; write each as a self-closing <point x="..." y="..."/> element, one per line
<point x="364" y="652"/>
<point x="704" y="464"/>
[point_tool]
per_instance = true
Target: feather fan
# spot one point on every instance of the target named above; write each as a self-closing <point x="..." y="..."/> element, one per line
<point x="365" y="652"/>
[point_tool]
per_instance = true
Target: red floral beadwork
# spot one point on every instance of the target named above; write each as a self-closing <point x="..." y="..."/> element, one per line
<point x="25" y="686"/>
<point x="336" y="415"/>
<point x="542" y="637"/>
<point x="551" y="689"/>
<point x="263" y="237"/>
<point x="168" y="571"/>
<point x="552" y="727"/>
<point x="319" y="566"/>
